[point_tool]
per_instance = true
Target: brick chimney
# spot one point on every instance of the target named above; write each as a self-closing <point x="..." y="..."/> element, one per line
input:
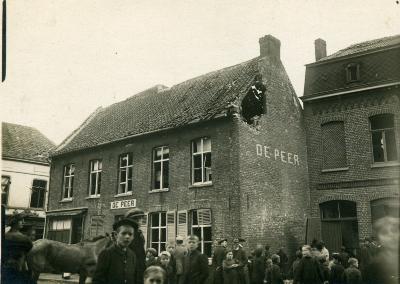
<point x="270" y="47"/>
<point x="320" y="49"/>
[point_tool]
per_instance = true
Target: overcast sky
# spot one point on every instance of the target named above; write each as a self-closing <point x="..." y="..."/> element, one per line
<point x="66" y="58"/>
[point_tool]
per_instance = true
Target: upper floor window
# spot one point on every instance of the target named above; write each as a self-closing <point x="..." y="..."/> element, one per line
<point x="68" y="187"/>
<point x="201" y="160"/>
<point x="161" y="167"/>
<point x="383" y="138"/>
<point x="125" y="173"/>
<point x="333" y="145"/>
<point x="38" y="193"/>
<point x="95" y="178"/>
<point x="5" y="188"/>
<point x="353" y="72"/>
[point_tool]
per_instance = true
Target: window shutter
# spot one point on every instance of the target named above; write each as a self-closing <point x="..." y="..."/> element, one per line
<point x="171" y="227"/>
<point x="204" y="216"/>
<point x="182" y="227"/>
<point x="143" y="228"/>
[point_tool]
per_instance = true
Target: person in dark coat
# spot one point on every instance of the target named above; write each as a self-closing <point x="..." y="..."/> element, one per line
<point x="137" y="246"/>
<point x="283" y="264"/>
<point x="195" y="267"/>
<point x="337" y="270"/>
<point x="276" y="273"/>
<point x="258" y="267"/>
<point x="344" y="257"/>
<point x="295" y="264"/>
<point x="164" y="261"/>
<point x="308" y="270"/>
<point x="117" y="264"/>
<point x="217" y="259"/>
<point x="324" y="267"/>
<point x="240" y="256"/>
<point x="151" y="257"/>
<point x="230" y="268"/>
<point x="351" y="274"/>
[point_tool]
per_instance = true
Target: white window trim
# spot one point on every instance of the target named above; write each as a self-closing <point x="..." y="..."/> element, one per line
<point x="201" y="153"/>
<point x="68" y="176"/>
<point x="201" y="226"/>
<point x="159" y="227"/>
<point x="127" y="167"/>
<point x="98" y="173"/>
<point x="162" y="160"/>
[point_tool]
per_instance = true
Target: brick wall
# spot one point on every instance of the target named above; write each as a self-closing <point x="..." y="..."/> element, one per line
<point x="363" y="181"/>
<point x="273" y="181"/>
<point x="220" y="196"/>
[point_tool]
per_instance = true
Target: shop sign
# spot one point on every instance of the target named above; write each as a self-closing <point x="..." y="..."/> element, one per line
<point x="120" y="204"/>
<point x="277" y="155"/>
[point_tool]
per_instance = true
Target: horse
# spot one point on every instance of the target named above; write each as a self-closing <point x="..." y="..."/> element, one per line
<point x="56" y="257"/>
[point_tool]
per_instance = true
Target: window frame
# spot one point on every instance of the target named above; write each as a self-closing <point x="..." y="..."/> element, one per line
<point x="339" y="204"/>
<point x="7" y="189"/>
<point x="384" y="144"/>
<point x="349" y="66"/>
<point x="70" y="177"/>
<point x="202" y="153"/>
<point x="202" y="242"/>
<point x="324" y="166"/>
<point x="159" y="228"/>
<point x="98" y="177"/>
<point x="162" y="160"/>
<point x="42" y="190"/>
<point x="127" y="168"/>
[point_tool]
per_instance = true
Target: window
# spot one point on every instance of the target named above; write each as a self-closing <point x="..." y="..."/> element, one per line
<point x="95" y="178"/>
<point x="5" y="189"/>
<point x="38" y="193"/>
<point x="201" y="160"/>
<point x="338" y="209"/>
<point x="201" y="227"/>
<point x="161" y="168"/>
<point x="383" y="138"/>
<point x="68" y="188"/>
<point x="333" y="145"/>
<point x="59" y="230"/>
<point x="158" y="231"/>
<point x="125" y="173"/>
<point x="352" y="72"/>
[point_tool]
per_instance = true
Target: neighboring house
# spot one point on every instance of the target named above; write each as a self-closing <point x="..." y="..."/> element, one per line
<point x="25" y="173"/>
<point x="219" y="155"/>
<point x="352" y="115"/>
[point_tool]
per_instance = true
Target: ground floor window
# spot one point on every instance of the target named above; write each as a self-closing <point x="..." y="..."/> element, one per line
<point x="60" y="230"/>
<point x="158" y="231"/>
<point x="339" y="225"/>
<point x="201" y="227"/>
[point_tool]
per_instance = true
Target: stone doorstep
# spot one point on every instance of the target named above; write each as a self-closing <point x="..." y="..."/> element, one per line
<point x="56" y="278"/>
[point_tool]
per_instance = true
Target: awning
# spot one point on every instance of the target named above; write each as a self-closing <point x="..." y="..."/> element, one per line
<point x="67" y="212"/>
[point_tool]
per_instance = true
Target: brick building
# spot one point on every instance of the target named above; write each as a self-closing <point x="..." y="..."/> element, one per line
<point x="352" y="117"/>
<point x="220" y="155"/>
<point x="25" y="173"/>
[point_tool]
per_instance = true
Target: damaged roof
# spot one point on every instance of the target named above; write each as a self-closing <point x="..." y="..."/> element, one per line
<point x="365" y="47"/>
<point x="25" y="143"/>
<point x="198" y="99"/>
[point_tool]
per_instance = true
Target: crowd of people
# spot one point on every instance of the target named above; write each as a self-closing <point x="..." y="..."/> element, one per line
<point x="127" y="261"/>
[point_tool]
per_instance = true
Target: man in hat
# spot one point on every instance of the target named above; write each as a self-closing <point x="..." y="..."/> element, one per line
<point x="117" y="263"/>
<point x="137" y="245"/>
<point x="180" y="253"/>
<point x="217" y="259"/>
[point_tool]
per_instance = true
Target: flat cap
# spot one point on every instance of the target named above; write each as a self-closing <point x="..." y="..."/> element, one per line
<point x="125" y="222"/>
<point x="134" y="213"/>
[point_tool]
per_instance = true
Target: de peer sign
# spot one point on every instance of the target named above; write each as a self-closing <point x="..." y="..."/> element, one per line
<point x="277" y="155"/>
<point x="120" y="204"/>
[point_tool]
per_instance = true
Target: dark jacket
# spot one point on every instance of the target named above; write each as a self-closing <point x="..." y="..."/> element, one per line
<point x="337" y="274"/>
<point x="258" y="270"/>
<point x="137" y="246"/>
<point x="218" y="256"/>
<point x="170" y="272"/>
<point x="308" y="271"/>
<point x="195" y="268"/>
<point x="352" y="275"/>
<point x="276" y="275"/>
<point x="115" y="266"/>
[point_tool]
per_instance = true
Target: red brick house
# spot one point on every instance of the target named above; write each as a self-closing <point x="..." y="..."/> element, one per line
<point x="219" y="155"/>
<point x="352" y="116"/>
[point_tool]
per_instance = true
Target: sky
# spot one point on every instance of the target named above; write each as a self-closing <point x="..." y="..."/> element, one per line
<point x="67" y="58"/>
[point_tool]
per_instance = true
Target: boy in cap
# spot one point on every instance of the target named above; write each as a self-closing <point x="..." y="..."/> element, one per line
<point x="117" y="264"/>
<point x="196" y="264"/>
<point x="137" y="245"/>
